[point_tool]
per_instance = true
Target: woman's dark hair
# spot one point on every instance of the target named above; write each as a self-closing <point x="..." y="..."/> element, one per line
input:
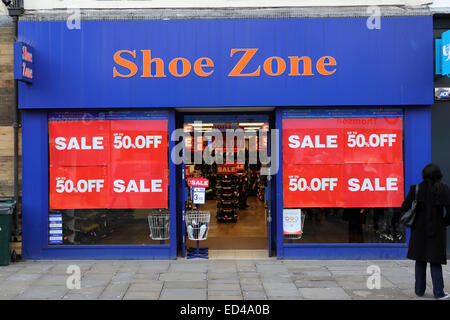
<point x="433" y="175"/>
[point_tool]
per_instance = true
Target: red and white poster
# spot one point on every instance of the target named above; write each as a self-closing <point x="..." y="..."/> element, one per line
<point x="347" y="140"/>
<point x="79" y="143"/>
<point x="345" y="185"/>
<point x="312" y="185"/>
<point x="373" y="185"/>
<point x="141" y="186"/>
<point x="139" y="141"/>
<point x="373" y="140"/>
<point x="230" y="168"/>
<point x="312" y="141"/>
<point x="113" y="164"/>
<point x="349" y="162"/>
<point x="79" y="187"/>
<point x="198" y="182"/>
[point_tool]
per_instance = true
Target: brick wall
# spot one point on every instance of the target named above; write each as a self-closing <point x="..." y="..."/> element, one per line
<point x="6" y="108"/>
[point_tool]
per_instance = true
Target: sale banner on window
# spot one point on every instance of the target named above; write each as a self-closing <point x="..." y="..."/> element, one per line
<point x="373" y="185"/>
<point x="343" y="140"/>
<point x="312" y="186"/>
<point x="111" y="164"/>
<point x="79" y="142"/>
<point x="79" y="187"/>
<point x="346" y="185"/>
<point x="139" y="141"/>
<point x="343" y="162"/>
<point x="312" y="141"/>
<point x="141" y="186"/>
<point x="373" y="140"/>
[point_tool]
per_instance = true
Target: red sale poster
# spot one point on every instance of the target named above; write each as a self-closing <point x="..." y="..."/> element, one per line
<point x="137" y="141"/>
<point x="365" y="155"/>
<point x="75" y="143"/>
<point x="373" y="185"/>
<point x="108" y="164"/>
<point x="312" y="141"/>
<point x="373" y="140"/>
<point x="349" y="185"/>
<point x="79" y="187"/>
<point x="229" y="168"/>
<point x="312" y="186"/>
<point x="343" y="140"/>
<point x="141" y="186"/>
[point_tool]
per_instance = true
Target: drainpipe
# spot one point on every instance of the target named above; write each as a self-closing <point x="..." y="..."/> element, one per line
<point x="15" y="9"/>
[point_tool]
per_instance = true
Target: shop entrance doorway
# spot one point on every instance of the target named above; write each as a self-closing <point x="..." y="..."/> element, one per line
<point x="225" y="179"/>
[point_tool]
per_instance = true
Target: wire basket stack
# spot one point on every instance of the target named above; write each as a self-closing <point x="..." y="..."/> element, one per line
<point x="159" y="224"/>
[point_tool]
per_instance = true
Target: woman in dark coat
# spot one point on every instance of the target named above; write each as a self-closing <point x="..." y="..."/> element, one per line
<point x="427" y="243"/>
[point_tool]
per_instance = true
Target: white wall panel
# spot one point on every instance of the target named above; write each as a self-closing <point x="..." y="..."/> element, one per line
<point x="58" y="4"/>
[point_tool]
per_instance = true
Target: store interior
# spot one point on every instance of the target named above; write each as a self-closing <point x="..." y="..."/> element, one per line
<point x="235" y="197"/>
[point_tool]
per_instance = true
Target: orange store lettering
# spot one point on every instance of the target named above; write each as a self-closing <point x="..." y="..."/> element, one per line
<point x="154" y="67"/>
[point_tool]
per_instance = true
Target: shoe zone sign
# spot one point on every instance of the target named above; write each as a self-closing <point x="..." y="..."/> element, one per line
<point x="23" y="62"/>
<point x="229" y="62"/>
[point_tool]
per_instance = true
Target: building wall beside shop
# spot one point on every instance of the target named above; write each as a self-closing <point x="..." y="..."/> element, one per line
<point x="6" y="104"/>
<point x="440" y="114"/>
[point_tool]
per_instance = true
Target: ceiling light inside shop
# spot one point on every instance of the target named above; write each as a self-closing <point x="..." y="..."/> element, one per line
<point x="246" y="124"/>
<point x="202" y="124"/>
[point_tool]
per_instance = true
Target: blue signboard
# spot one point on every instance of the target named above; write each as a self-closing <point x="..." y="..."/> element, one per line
<point x="230" y="62"/>
<point x="23" y="62"/>
<point x="442" y="51"/>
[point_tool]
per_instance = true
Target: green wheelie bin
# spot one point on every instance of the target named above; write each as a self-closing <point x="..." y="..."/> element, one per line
<point x="6" y="210"/>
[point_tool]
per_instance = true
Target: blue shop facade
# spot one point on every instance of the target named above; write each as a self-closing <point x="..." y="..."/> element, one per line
<point x="133" y="84"/>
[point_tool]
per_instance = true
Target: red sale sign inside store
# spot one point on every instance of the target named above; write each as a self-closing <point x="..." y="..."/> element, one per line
<point x="350" y="162"/>
<point x="198" y="182"/>
<point x="124" y="166"/>
<point x="229" y="168"/>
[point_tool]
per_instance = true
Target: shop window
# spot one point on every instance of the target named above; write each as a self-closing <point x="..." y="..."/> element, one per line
<point x="343" y="179"/>
<point x="108" y="178"/>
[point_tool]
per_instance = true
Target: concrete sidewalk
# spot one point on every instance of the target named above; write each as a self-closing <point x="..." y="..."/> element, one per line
<point x="212" y="279"/>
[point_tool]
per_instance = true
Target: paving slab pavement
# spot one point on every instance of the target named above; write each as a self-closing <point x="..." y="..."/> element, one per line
<point x="238" y="279"/>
